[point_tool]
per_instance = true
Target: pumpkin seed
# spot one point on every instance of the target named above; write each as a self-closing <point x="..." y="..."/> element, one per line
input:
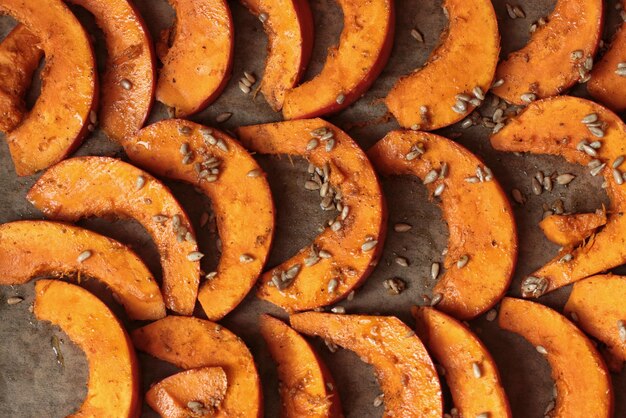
<point x="126" y="84"/>
<point x="430" y="177"/>
<point x="401" y="261"/>
<point x="436" y="299"/>
<point x="534" y="286"/>
<point x="394" y="286"/>
<point x="378" y="401"/>
<point x="14" y="300"/>
<point x="491" y="315"/>
<point x="263" y="17"/>
<point x="478" y="373"/>
<point x="332" y="285"/>
<point x="416" y="34"/>
<point x="223" y="117"/>
<point x="369" y="245"/>
<point x="84" y="256"/>
<point x="528" y="97"/>
<point x="246" y="258"/>
<point x="402" y="227"/>
<point x="439" y="189"/>
<point x="194" y="256"/>
<point x="565" y="179"/>
<point x="618" y="161"/>
<point x="462" y="261"/>
<point x="312" y="144"/>
<point x="340" y="98"/>
<point x="434" y="270"/>
<point x="338" y="309"/>
<point x="621" y="327"/>
<point x="595" y="171"/>
<point x="140" y="182"/>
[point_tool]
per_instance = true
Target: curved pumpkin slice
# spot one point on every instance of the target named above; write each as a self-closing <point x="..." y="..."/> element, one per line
<point x="306" y="387"/>
<point x="597" y="303"/>
<point x="471" y="373"/>
<point x="582" y="382"/>
<point x="482" y="247"/>
<point x="195" y="391"/>
<point x="569" y="230"/>
<point x="405" y="372"/>
<point x="198" y="61"/>
<point x="113" y="386"/>
<point x="352" y="66"/>
<point x="553" y="126"/>
<point x="105" y="187"/>
<point x="557" y="56"/>
<point x="289" y="28"/>
<point x="472" y="31"/>
<point x="355" y="240"/>
<point x="240" y="196"/>
<point x="58" y="122"/>
<point x="190" y="343"/>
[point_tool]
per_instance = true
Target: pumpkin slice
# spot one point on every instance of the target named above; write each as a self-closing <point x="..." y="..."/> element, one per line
<point x="31" y="249"/>
<point x="240" y="195"/>
<point x="58" y="122"/>
<point x="583" y="383"/>
<point x="113" y="385"/>
<point x="190" y="343"/>
<point x="289" y="28"/>
<point x="197" y="55"/>
<point x="352" y="66"/>
<point x="196" y="391"/>
<point x="569" y="230"/>
<point x="355" y="240"/>
<point x="482" y="247"/>
<point x="306" y="387"/>
<point x="19" y="50"/>
<point x="106" y="187"/>
<point x="471" y="373"/>
<point x="558" y="55"/>
<point x="404" y="370"/>
<point x="427" y="98"/>
<point x="553" y="126"/>
<point x="597" y="305"/>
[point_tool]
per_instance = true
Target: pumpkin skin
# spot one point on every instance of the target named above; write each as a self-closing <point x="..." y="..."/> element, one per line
<point x="113" y="386"/>
<point x="570" y="230"/>
<point x="472" y="31"/>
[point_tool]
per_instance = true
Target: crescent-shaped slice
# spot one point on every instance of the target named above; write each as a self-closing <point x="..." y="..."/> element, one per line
<point x="198" y="61"/>
<point x="354" y="241"/>
<point x="554" y="126"/>
<point x="352" y="66"/>
<point x="559" y="53"/>
<point x="306" y="387"/>
<point x="190" y="343"/>
<point x="195" y="391"/>
<point x="289" y="28"/>
<point x="482" y="246"/>
<point x="113" y="385"/>
<point x="583" y="384"/>
<point x="461" y="69"/>
<point x="31" y="249"/>
<point x="471" y="373"/>
<point x="106" y="187"/>
<point x="404" y="370"/>
<point x="239" y="193"/>
<point x="57" y="123"/>
<point x="570" y="230"/>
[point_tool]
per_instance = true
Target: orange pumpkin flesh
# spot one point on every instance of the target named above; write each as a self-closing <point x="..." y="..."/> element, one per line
<point x="457" y="349"/>
<point x="31" y="249"/>
<point x="352" y="174"/>
<point x="197" y="63"/>
<point x="172" y="396"/>
<point x="289" y="28"/>
<point x="352" y="66"/>
<point x="569" y="230"/>
<point x="58" y="122"/>
<point x="553" y="126"/>
<point x="404" y="370"/>
<point x="472" y="32"/>
<point x="479" y="218"/>
<point x="304" y="380"/>
<point x="554" y="58"/>
<point x="190" y="343"/>
<point x="106" y="187"/>
<point x="242" y="203"/>
<point x="582" y="382"/>
<point x="113" y="386"/>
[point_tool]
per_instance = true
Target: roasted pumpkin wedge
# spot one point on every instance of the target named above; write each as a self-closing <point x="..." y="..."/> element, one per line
<point x="558" y="55"/>
<point x="196" y="391"/>
<point x="404" y="370"/>
<point x="351" y="246"/>
<point x="555" y="126"/>
<point x="106" y="187"/>
<point x="197" y="55"/>
<point x="596" y="303"/>
<point x="306" y="387"/>
<point x="239" y="192"/>
<point x="450" y="84"/>
<point x="31" y="249"/>
<point x="583" y="384"/>
<point x="190" y="343"/>
<point x="482" y="247"/>
<point x="289" y="28"/>
<point x="113" y="385"/>
<point x="471" y="373"/>
<point x="352" y="66"/>
<point x="570" y="230"/>
<point x="58" y="122"/>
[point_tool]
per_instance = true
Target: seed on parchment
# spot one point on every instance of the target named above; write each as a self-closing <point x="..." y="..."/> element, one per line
<point x="547" y="183"/>
<point x="402" y="227"/>
<point x="378" y="401"/>
<point x="491" y="315"/>
<point x="243" y="87"/>
<point x="436" y="299"/>
<point x="536" y="187"/>
<point x="466" y="123"/>
<point x="595" y="171"/>
<point x="519" y="12"/>
<point x="510" y="11"/>
<point x="84" y="256"/>
<point x="541" y="350"/>
<point x="434" y="270"/>
<point x="194" y="256"/>
<point x="249" y="76"/>
<point x="401" y="261"/>
<point x="14" y="300"/>
<point x="417" y="35"/>
<point x="263" y="17"/>
<point x="549" y="408"/>
<point x="223" y="117"/>
<point x="394" y="285"/>
<point x="518" y="196"/>
<point x="564" y="179"/>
